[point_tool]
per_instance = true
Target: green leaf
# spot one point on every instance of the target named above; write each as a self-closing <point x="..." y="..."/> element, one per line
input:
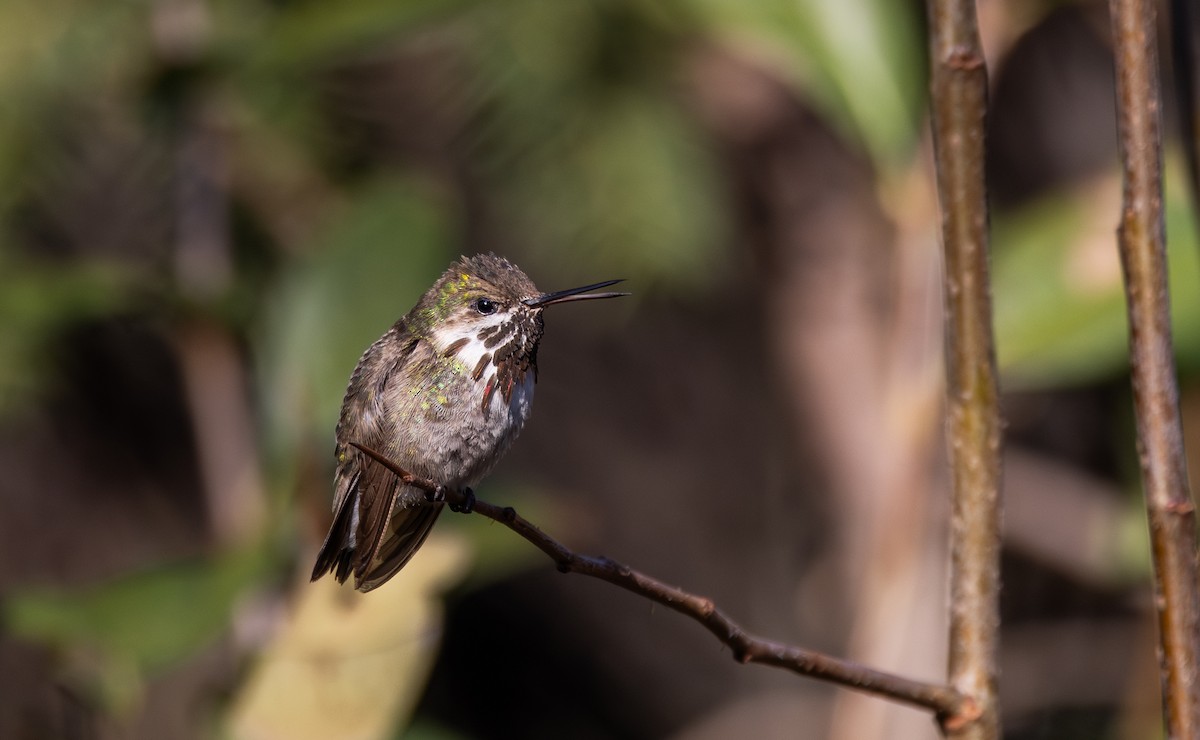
<point x="1057" y="289"/>
<point x="861" y="60"/>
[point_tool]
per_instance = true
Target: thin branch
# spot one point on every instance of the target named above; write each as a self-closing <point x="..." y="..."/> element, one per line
<point x="1142" y="242"/>
<point x="959" y="98"/>
<point x="949" y="705"/>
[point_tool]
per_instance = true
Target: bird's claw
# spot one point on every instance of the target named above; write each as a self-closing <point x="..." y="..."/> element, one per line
<point x="468" y="502"/>
<point x="437" y="495"/>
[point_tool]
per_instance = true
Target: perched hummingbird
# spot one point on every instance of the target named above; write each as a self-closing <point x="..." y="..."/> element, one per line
<point x="443" y="394"/>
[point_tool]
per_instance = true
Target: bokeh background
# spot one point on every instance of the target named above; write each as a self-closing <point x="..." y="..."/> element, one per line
<point x="208" y="208"/>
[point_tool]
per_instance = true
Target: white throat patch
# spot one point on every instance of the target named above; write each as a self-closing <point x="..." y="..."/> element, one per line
<point x="474" y="349"/>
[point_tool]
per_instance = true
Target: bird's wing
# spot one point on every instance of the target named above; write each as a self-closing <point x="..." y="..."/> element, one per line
<point x="365" y="492"/>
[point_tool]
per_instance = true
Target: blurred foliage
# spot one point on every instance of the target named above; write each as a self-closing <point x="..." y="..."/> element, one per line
<point x="380" y="252"/>
<point x="306" y="34"/>
<point x="36" y="302"/>
<point x="117" y="634"/>
<point x="862" y="61"/>
<point x="584" y="137"/>
<point x="51" y="53"/>
<point x="346" y="664"/>
<point x="1057" y="288"/>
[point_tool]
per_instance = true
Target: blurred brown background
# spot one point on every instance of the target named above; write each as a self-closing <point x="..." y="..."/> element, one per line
<point x="208" y="208"/>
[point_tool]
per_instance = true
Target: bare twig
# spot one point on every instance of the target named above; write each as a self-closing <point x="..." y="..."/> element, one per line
<point x="949" y="705"/>
<point x="1141" y="239"/>
<point x="959" y="80"/>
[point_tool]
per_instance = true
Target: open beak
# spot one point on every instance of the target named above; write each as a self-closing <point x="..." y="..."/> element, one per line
<point x="572" y="294"/>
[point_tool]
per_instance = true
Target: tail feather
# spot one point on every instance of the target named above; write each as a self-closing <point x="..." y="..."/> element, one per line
<point x="337" y="552"/>
<point x="385" y="541"/>
<point x="410" y="528"/>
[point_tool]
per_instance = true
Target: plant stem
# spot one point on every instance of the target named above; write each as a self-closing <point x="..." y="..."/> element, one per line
<point x="959" y="99"/>
<point x="948" y="704"/>
<point x="1142" y="242"/>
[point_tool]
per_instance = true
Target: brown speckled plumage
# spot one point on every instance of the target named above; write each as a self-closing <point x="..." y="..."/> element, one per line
<point x="425" y="396"/>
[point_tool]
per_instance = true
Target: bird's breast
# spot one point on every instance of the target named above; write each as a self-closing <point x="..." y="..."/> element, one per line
<point x="468" y="410"/>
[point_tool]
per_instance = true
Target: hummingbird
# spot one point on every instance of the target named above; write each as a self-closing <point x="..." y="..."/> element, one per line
<point x="443" y="394"/>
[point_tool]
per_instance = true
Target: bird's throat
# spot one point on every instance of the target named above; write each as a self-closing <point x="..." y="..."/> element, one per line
<point x="497" y="356"/>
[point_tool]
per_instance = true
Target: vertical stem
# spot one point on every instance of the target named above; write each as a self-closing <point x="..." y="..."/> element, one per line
<point x="1141" y="241"/>
<point x="959" y="90"/>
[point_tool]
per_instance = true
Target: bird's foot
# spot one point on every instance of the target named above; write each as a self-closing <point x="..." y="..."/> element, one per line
<point x="468" y="502"/>
<point x="437" y="495"/>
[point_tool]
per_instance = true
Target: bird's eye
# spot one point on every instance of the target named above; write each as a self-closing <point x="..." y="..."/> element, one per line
<point x="485" y="306"/>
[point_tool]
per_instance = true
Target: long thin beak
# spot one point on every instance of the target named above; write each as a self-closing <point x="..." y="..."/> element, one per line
<point x="573" y="294"/>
